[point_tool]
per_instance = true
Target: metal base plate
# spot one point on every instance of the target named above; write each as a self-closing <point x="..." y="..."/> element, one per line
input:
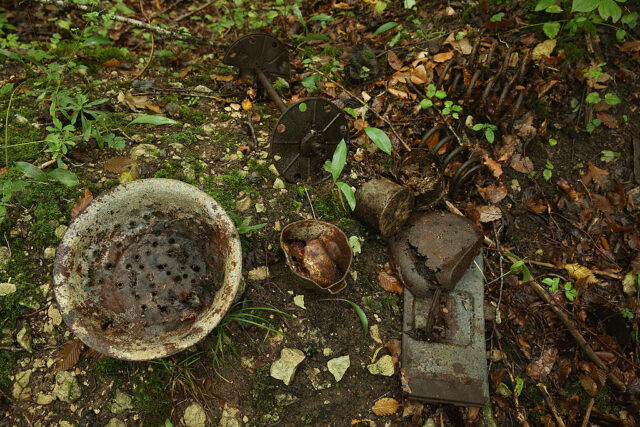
<point x="454" y="369"/>
<point x="306" y="136"/>
<point x="259" y="51"/>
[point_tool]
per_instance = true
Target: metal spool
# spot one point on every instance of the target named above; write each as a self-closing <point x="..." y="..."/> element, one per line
<point x="492" y="85"/>
<point x="259" y="52"/>
<point x="306" y="136"/>
<point x="147" y="270"/>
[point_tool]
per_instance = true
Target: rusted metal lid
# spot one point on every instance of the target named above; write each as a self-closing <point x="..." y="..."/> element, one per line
<point x="147" y="269"/>
<point x="434" y="248"/>
<point x="259" y="51"/>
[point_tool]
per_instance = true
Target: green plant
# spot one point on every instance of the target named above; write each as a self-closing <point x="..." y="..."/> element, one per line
<point x="608" y="156"/>
<point x="553" y="142"/>
<point x="554" y="285"/>
<point x="591" y="126"/>
<point x="519" y="385"/>
<point x="335" y="167"/>
<point x="449" y="108"/>
<point x="548" y="171"/>
<point x="488" y="130"/>
<point x="626" y="313"/>
<point x="359" y="312"/>
<point x="61" y="175"/>
<point x="519" y="267"/>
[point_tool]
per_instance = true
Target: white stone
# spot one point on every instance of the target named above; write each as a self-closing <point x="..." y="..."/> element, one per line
<point x="260" y="207"/>
<point x="384" y="366"/>
<point x="338" y="366"/>
<point x="202" y="88"/>
<point x="55" y="316"/>
<point x="121" y="403"/>
<point x="145" y="151"/>
<point x="49" y="253"/>
<point x="260" y="273"/>
<point x="60" y="230"/>
<point x="7" y="288"/>
<point x="114" y="422"/>
<point x="20" y="389"/>
<point x="44" y="399"/>
<point x="194" y="416"/>
<point x="299" y="301"/>
<point x="285" y="367"/>
<point x="374" y="331"/>
<point x="67" y="388"/>
<point x="278" y="184"/>
<point x="273" y="170"/>
<point x="24" y="337"/>
<point x="229" y="417"/>
<point x="5" y="255"/>
<point x="327" y="351"/>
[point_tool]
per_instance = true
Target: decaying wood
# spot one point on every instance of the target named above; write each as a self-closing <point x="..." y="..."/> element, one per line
<point x="547" y="399"/>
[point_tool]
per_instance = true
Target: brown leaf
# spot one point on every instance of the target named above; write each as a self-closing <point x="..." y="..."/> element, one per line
<point x="493" y="193"/>
<point x="588" y="384"/>
<point x="521" y="164"/>
<point x="82" y="203"/>
<point x="389" y="282"/>
<point x="508" y="148"/>
<point x="443" y="57"/>
<point x="386" y="406"/>
<point x="225" y="78"/>
<point x="564" y="369"/>
<point x="153" y="108"/>
<point x="117" y="164"/>
<point x="69" y="356"/>
<point x="630" y="46"/>
<point x="394" y="61"/>
<point x="602" y="204"/>
<point x="184" y="72"/>
<point x="111" y="63"/>
<point x="133" y="102"/>
<point x="399" y="93"/>
<point x="489" y="213"/>
<point x="94" y="354"/>
<point x="566" y="187"/>
<point x="494" y="167"/>
<point x="536" y="205"/>
<point x="606" y="356"/>
<point x="581" y="273"/>
<point x="526" y="129"/>
<point x="600" y="176"/>
<point x="543" y="366"/>
<point x="411" y="408"/>
<point x="608" y="120"/>
<point x="395" y="348"/>
<point x="419" y="75"/>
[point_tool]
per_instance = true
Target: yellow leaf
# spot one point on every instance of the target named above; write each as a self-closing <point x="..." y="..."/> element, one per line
<point x="544" y="49"/>
<point x="247" y="104"/>
<point x="581" y="273"/>
<point x="629" y="283"/>
<point x="130" y="175"/>
<point x="386" y="406"/>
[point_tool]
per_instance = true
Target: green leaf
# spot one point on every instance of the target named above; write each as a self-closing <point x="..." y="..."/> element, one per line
<point x="497" y="17"/>
<point x="4" y="90"/>
<point x="31" y="171"/>
<point x="151" y="119"/>
<point x="612" y="99"/>
<point x="95" y="41"/>
<point x="551" y="29"/>
<point x="311" y="82"/>
<point x="620" y="34"/>
<point x="478" y="126"/>
<point x="385" y="27"/>
<point x="339" y="159"/>
<point x="543" y="4"/>
<point x="408" y="4"/>
<point x="488" y="133"/>
<point x="321" y="17"/>
<point x="593" y="98"/>
<point x="167" y="423"/>
<point x="547" y="174"/>
<point x="609" y="9"/>
<point x="630" y="19"/>
<point x="361" y="315"/>
<point x="426" y="103"/>
<point x="348" y="193"/>
<point x="571" y="294"/>
<point x="519" y="385"/>
<point x="64" y="176"/>
<point x="379" y="138"/>
<point x="302" y="107"/>
<point x="526" y="274"/>
<point x="584" y="5"/>
<point x="554" y="8"/>
<point x="244" y="229"/>
<point x="552" y="142"/>
<point x="351" y="112"/>
<point x="356" y="244"/>
<point x="440" y="94"/>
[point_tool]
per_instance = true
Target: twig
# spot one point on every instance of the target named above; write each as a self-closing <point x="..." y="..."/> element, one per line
<point x="134" y="22"/>
<point x="498" y="317"/>
<point x="47" y="163"/>
<point x="549" y="265"/>
<point x="388" y="123"/>
<point x="188" y="14"/>
<point x="254" y="140"/>
<point x="568" y="323"/>
<point x="33" y="313"/>
<point x="310" y="204"/>
<point x="547" y="399"/>
<point x="150" y="59"/>
<point x="585" y="422"/>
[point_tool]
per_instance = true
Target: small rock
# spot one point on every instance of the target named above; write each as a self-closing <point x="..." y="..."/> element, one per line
<point x="145" y="152"/>
<point x="21" y="119"/>
<point x="209" y="128"/>
<point x="254" y="177"/>
<point x="177" y="146"/>
<point x="60" y="230"/>
<point x="20" y="389"/>
<point x="55" y="316"/>
<point x="384" y="366"/>
<point x="338" y="366"/>
<point x="5" y="255"/>
<point x="260" y="207"/>
<point x="503" y="390"/>
<point x="7" y="288"/>
<point x="286" y="399"/>
<point x="114" y="422"/>
<point x="316" y="381"/>
<point x="24" y="337"/>
<point x="374" y="331"/>
<point x="633" y="199"/>
<point x="202" y="88"/>
<point x="278" y="184"/>
<point x="172" y="108"/>
<point x="194" y="416"/>
<point x="327" y="351"/>
<point x="64" y="423"/>
<point x="121" y="403"/>
<point x="188" y="172"/>
<point x="50" y="253"/>
<point x="67" y="388"/>
<point x="229" y="417"/>
<point x="430" y="423"/>
<point x="244" y="204"/>
<point x="285" y="368"/>
<point x="299" y="301"/>
<point x="260" y="273"/>
<point x="273" y="170"/>
<point x="44" y="399"/>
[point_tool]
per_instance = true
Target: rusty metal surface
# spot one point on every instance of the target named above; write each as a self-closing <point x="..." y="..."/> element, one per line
<point x="306" y="136"/>
<point x="317" y="250"/>
<point x="453" y="368"/>
<point x="421" y="171"/>
<point x="259" y="52"/>
<point x="147" y="269"/>
<point x="434" y="248"/>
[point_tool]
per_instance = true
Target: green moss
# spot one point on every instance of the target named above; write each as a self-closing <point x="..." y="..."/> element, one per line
<point x="152" y="395"/>
<point x="223" y="117"/>
<point x="328" y="207"/>
<point x="21" y="142"/>
<point x="225" y="138"/>
<point x="331" y="51"/>
<point x="109" y="366"/>
<point x="263" y="392"/>
<point x="116" y="120"/>
<point x="186" y="137"/>
<point x="225" y="189"/>
<point x="573" y="52"/>
<point x="103" y="54"/>
<point x="602" y="401"/>
<point x="193" y="115"/>
<point x="351" y="226"/>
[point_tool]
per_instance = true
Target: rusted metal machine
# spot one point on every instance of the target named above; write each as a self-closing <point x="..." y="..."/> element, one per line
<point x="443" y="351"/>
<point x="308" y="131"/>
<point x="147" y="269"/>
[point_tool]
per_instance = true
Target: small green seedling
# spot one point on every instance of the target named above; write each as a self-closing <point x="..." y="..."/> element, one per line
<point x="554" y="285"/>
<point x="593" y="125"/>
<point x="608" y="156"/>
<point x="519" y="267"/>
<point x="488" y="129"/>
<point x="553" y="142"/>
<point x="547" y="172"/>
<point x="335" y="167"/>
<point x="626" y="313"/>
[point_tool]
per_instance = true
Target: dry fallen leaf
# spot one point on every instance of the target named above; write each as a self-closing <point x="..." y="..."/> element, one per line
<point x="630" y="46"/>
<point x="69" y="356"/>
<point x="395" y="348"/>
<point x="581" y="273"/>
<point x="588" y="384"/>
<point x="494" y="167"/>
<point x="82" y="203"/>
<point x="111" y="63"/>
<point x="521" y="164"/>
<point x="493" y="193"/>
<point x="389" y="282"/>
<point x="419" y="75"/>
<point x="131" y="174"/>
<point x="117" y="164"/>
<point x="386" y="406"/>
<point x="133" y="102"/>
<point x="225" y="78"/>
<point x="544" y="49"/>
<point x="463" y="45"/>
<point x="536" y="205"/>
<point x="399" y="93"/>
<point x="411" y="408"/>
<point x="393" y="60"/>
<point x="443" y="57"/>
<point x="542" y="367"/>
<point x="247" y="104"/>
<point x="489" y="213"/>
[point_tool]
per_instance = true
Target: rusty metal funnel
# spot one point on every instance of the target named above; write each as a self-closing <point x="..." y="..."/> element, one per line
<point x="147" y="269"/>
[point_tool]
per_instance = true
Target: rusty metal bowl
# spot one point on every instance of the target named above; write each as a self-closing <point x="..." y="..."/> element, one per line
<point x="332" y="238"/>
<point x="147" y="269"/>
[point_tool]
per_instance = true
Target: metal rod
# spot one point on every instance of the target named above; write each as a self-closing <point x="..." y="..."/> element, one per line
<point x="266" y="83"/>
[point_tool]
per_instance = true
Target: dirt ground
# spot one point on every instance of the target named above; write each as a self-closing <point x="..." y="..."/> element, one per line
<point x="584" y="215"/>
